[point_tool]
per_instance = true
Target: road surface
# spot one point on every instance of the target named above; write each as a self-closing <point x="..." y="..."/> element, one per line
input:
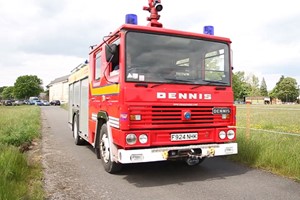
<point x="74" y="172"/>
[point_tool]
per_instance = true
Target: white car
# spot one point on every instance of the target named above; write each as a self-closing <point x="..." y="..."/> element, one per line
<point x="45" y="103"/>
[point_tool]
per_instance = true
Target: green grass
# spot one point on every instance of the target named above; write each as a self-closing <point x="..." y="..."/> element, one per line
<point x="261" y="143"/>
<point x="65" y="106"/>
<point x="283" y="118"/>
<point x="20" y="178"/>
<point x="19" y="125"/>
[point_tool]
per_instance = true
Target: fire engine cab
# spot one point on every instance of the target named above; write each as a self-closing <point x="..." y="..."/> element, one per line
<point x="149" y="93"/>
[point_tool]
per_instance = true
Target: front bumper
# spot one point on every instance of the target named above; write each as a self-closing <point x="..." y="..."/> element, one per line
<point x="165" y="153"/>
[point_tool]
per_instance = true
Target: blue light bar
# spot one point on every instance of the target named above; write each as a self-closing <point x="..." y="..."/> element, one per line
<point x="131" y="19"/>
<point x="208" y="30"/>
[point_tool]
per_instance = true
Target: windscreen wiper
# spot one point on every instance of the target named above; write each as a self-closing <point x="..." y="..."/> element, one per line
<point x="212" y="82"/>
<point x="156" y="85"/>
<point x="179" y="80"/>
<point x="208" y="83"/>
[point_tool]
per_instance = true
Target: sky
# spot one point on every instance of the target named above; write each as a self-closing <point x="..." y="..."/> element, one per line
<point x="49" y="38"/>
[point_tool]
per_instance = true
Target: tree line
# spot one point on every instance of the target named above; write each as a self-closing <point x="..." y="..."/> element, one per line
<point x="286" y="89"/>
<point x="24" y="87"/>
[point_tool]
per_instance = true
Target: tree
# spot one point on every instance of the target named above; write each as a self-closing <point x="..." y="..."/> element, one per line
<point x="8" y="92"/>
<point x="286" y="89"/>
<point x="253" y="81"/>
<point x="274" y="92"/>
<point x="239" y="85"/>
<point x="263" y="88"/>
<point x="26" y="86"/>
<point x="1" y="90"/>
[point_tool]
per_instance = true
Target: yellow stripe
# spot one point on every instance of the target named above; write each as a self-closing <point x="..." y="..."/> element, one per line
<point x="78" y="75"/>
<point x="109" y="89"/>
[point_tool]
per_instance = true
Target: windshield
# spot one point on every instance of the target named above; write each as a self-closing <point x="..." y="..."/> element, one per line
<point x="169" y="59"/>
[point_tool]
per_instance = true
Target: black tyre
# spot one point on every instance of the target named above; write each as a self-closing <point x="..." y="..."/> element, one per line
<point x="194" y="162"/>
<point x="104" y="146"/>
<point x="77" y="139"/>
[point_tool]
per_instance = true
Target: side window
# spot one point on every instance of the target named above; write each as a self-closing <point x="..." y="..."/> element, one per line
<point x="214" y="65"/>
<point x="98" y="66"/>
<point x="183" y="68"/>
<point x="115" y="62"/>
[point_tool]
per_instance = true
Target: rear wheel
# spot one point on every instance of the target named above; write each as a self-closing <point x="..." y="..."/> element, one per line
<point x="104" y="144"/>
<point x="77" y="139"/>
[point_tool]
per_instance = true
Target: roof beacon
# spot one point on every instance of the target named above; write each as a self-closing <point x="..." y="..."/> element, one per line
<point x="131" y="19"/>
<point x="208" y="30"/>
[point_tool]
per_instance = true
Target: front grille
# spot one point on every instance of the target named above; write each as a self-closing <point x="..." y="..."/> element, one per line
<point x="172" y="117"/>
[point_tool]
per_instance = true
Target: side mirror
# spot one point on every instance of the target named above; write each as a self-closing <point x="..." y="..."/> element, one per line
<point x="112" y="53"/>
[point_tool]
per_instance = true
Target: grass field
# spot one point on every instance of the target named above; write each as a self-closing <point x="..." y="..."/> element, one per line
<point x="19" y="178"/>
<point x="269" y="138"/>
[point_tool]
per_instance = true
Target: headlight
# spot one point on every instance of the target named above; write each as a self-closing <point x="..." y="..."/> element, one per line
<point x="131" y="139"/>
<point x="143" y="139"/>
<point x="222" y="135"/>
<point x="230" y="134"/>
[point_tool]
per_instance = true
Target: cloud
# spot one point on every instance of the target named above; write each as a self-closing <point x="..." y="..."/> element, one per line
<point x="49" y="38"/>
<point x="46" y="67"/>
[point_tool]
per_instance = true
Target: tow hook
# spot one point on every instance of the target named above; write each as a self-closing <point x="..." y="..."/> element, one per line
<point x="194" y="157"/>
<point x="195" y="154"/>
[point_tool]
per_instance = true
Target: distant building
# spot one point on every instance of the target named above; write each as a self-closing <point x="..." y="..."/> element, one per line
<point x="257" y="100"/>
<point x="261" y="100"/>
<point x="59" y="89"/>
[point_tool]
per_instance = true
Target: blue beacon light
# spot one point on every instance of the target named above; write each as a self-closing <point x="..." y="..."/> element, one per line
<point x="131" y="19"/>
<point x="208" y="30"/>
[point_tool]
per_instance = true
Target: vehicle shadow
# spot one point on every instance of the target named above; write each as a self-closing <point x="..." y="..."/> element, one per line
<point x="170" y="172"/>
<point x="166" y="173"/>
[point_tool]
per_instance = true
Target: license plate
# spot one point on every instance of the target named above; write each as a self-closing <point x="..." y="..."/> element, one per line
<point x="184" y="136"/>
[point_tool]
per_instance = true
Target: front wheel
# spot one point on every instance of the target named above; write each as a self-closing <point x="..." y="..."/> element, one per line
<point x="104" y="145"/>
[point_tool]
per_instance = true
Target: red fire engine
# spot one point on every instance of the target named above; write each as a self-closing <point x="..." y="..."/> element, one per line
<point x="151" y="94"/>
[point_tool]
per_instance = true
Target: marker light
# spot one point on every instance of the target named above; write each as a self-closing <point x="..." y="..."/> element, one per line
<point x="135" y="117"/>
<point x="131" y="19"/>
<point x="208" y="30"/>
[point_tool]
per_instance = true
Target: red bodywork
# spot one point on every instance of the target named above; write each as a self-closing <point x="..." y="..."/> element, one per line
<point x="151" y="94"/>
<point x="160" y="116"/>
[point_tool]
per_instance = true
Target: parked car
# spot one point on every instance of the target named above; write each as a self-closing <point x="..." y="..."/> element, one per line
<point x="45" y="103"/>
<point x="55" y="103"/>
<point x="38" y="103"/>
<point x="32" y="100"/>
<point x="19" y="102"/>
<point x="8" y="103"/>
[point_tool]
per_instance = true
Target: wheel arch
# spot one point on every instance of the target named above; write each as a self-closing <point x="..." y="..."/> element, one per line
<point x="75" y="112"/>
<point x="102" y="118"/>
